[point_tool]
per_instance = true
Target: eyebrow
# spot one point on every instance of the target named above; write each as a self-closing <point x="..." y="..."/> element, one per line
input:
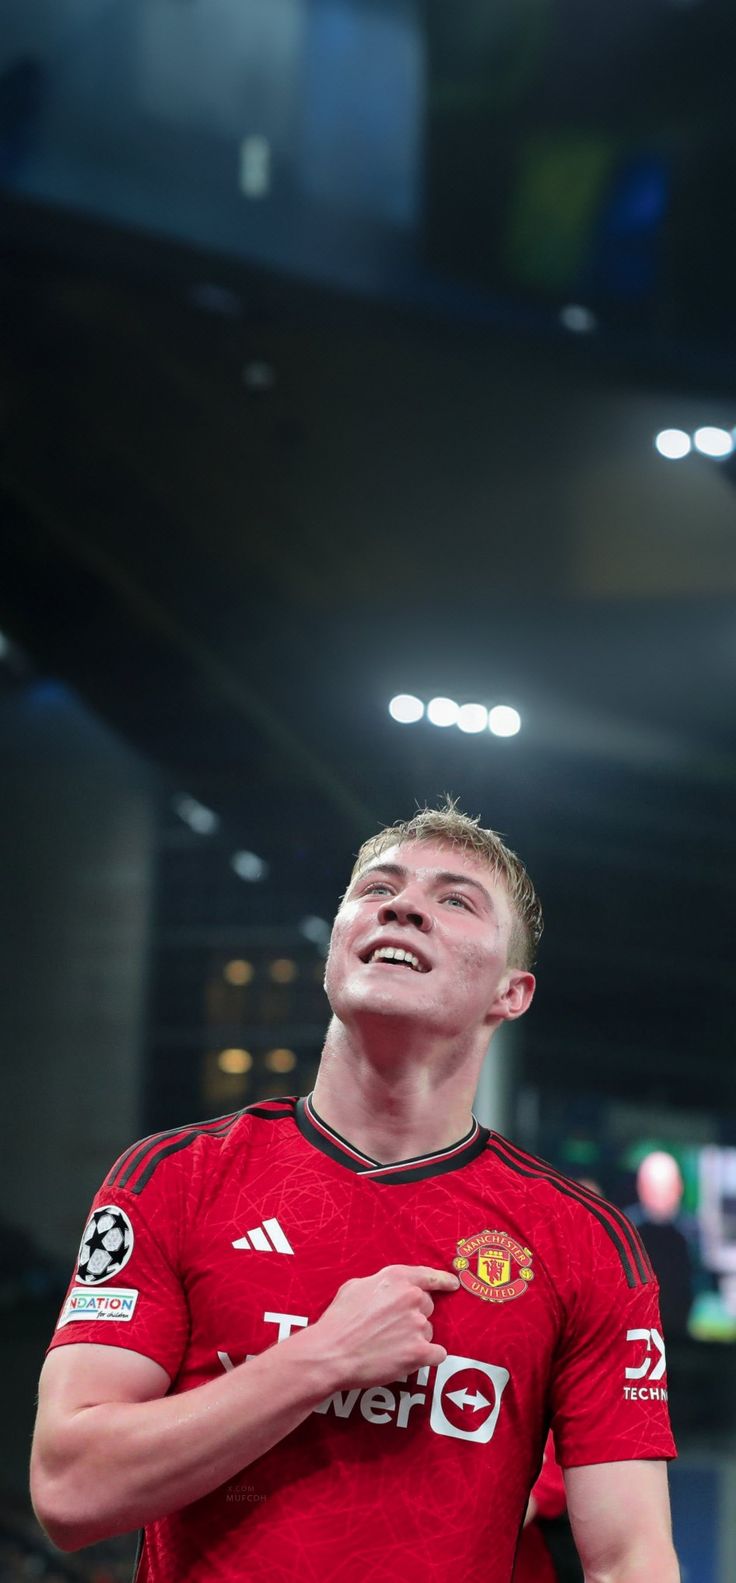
<point x="445" y="877"/>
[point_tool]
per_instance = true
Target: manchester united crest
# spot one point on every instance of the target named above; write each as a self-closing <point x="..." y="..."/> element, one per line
<point x="493" y="1266"/>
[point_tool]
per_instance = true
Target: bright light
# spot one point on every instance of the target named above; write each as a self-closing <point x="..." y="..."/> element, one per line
<point x="248" y="866"/>
<point x="406" y="708"/>
<point x="235" y="1062"/>
<point x="673" y="443"/>
<point x="473" y="717"/>
<point x="578" y="319"/>
<point x="238" y="972"/>
<point x="713" y="442"/>
<point x="283" y="970"/>
<point x="280" y="1060"/>
<point x="503" y="721"/>
<point x="200" y="819"/>
<point x="442" y="711"/>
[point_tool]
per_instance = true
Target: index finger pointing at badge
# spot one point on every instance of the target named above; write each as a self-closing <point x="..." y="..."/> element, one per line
<point x="432" y="1280"/>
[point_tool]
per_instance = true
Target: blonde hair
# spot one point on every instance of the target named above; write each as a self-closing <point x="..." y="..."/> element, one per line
<point x="457" y="829"/>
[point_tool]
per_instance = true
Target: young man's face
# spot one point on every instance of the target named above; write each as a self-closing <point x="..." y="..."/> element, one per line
<point x="451" y="917"/>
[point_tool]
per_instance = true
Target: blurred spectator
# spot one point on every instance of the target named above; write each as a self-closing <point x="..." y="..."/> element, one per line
<point x="669" y="1236"/>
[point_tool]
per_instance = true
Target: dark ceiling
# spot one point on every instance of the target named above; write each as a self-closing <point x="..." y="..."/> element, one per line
<point x="238" y="519"/>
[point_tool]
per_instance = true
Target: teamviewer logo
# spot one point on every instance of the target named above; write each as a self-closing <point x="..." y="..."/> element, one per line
<point x="467" y="1399"/>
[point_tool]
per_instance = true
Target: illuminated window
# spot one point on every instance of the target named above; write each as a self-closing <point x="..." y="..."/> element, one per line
<point x="238" y="971"/>
<point x="280" y="1060"/>
<point x="283" y="970"/>
<point x="235" y="1062"/>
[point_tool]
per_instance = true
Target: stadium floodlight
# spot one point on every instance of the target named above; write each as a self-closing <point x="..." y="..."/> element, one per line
<point x="504" y="721"/>
<point x="711" y="441"/>
<point x="673" y="444"/>
<point x="406" y="708"/>
<point x="472" y="717"/>
<point x="200" y="819"/>
<point x="248" y="866"/>
<point x="443" y="711"/>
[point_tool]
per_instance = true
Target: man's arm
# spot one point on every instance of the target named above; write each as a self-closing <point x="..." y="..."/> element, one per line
<point x="620" y="1516"/>
<point x="104" y="1409"/>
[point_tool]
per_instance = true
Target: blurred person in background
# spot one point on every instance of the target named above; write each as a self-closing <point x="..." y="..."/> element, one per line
<point x="328" y="1336"/>
<point x="669" y="1235"/>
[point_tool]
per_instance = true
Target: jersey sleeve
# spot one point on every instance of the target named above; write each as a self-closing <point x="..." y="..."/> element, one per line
<point x="127" y="1289"/>
<point x="609" y="1387"/>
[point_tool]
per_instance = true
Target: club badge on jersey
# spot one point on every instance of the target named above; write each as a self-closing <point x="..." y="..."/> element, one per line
<point x="486" y="1263"/>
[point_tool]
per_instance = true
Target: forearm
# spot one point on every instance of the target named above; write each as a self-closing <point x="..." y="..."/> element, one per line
<point x="119" y="1465"/>
<point x="642" y="1567"/>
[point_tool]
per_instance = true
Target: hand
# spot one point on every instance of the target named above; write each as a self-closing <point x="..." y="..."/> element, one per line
<point x="379" y="1327"/>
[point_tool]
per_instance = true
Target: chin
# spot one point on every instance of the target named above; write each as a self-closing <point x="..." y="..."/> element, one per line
<point x="389" y="1008"/>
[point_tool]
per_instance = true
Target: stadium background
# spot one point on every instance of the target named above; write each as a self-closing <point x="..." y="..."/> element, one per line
<point x="337" y="337"/>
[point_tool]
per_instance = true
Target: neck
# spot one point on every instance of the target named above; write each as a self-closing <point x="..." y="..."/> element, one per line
<point x="392" y="1105"/>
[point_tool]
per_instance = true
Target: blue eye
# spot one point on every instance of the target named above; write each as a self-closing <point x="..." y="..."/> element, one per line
<point x="462" y="900"/>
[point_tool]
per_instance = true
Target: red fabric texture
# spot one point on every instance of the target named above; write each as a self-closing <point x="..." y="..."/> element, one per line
<point x="427" y="1477"/>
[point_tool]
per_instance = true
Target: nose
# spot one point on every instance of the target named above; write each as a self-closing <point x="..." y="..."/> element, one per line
<point x="407" y="907"/>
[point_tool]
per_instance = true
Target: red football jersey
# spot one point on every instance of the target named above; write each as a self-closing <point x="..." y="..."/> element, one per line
<point x="534" y="1563"/>
<point x="549" y="1490"/>
<point x="209" y="1243"/>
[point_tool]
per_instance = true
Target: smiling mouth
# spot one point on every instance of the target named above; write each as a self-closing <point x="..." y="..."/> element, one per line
<point x="397" y="957"/>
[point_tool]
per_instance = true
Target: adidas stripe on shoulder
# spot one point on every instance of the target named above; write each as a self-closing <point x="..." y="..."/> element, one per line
<point x="135" y="1167"/>
<point x="634" y="1258"/>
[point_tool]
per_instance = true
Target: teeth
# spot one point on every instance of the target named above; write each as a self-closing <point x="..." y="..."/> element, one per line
<point x="393" y="953"/>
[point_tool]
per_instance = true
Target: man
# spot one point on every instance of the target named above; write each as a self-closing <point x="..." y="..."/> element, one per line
<point x="669" y="1235"/>
<point x="325" y="1339"/>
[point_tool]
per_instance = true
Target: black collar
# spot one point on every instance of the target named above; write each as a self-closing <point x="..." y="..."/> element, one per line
<point x="329" y="1142"/>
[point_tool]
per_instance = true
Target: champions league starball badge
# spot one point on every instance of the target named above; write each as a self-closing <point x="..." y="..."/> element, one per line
<point x="106" y="1245"/>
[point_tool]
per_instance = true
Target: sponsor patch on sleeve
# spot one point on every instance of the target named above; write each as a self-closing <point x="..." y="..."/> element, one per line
<point x="116" y="1302"/>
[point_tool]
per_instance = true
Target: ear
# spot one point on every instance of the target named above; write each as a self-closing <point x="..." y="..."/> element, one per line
<point x="513" y="997"/>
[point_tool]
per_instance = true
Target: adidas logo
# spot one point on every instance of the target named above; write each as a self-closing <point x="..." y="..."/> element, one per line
<point x="258" y="1239"/>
